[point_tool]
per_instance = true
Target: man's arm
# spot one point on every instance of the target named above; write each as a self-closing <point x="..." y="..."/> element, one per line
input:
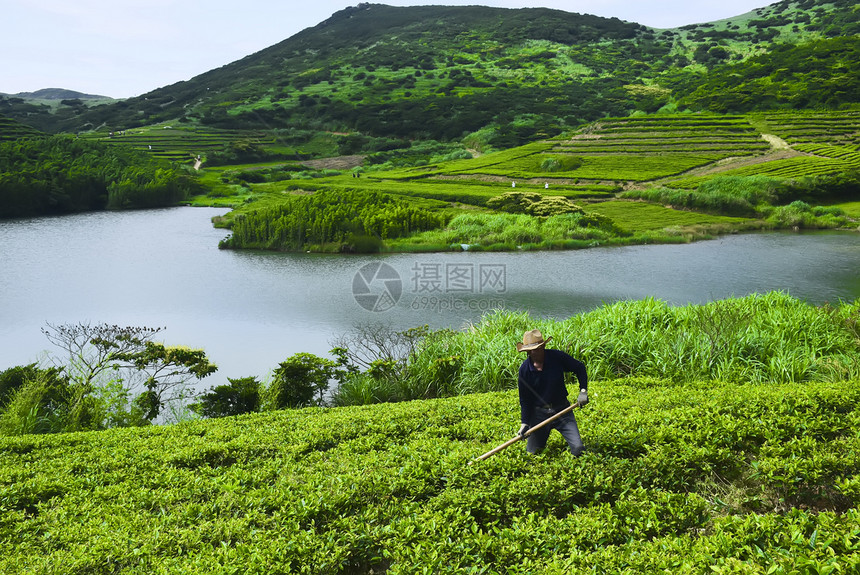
<point x="526" y="398"/>
<point x="570" y="363"/>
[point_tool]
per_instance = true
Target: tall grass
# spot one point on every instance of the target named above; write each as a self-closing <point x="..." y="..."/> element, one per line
<point x="723" y="195"/>
<point x="761" y="338"/>
<point x="490" y="231"/>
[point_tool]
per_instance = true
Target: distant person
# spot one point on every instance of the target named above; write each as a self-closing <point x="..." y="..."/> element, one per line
<point x="513" y="184"/>
<point x="543" y="393"/>
<point x="546" y="185"/>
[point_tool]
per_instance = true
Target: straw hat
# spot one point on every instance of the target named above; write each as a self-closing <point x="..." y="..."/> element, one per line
<point x="532" y="340"/>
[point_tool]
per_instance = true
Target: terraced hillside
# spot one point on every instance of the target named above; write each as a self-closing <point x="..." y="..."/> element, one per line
<point x="12" y="129"/>
<point x="808" y="144"/>
<point x="808" y="127"/>
<point x="680" y="150"/>
<point x="182" y="143"/>
<point x="607" y="168"/>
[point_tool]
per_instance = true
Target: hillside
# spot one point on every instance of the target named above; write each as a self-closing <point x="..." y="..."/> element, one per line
<point x="444" y="72"/>
<point x="12" y="130"/>
<point x="680" y="478"/>
<point x="701" y="174"/>
<point x="55" y="94"/>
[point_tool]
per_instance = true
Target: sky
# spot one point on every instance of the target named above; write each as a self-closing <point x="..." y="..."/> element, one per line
<point x="124" y="48"/>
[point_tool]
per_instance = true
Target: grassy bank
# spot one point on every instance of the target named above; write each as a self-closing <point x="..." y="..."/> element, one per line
<point x="683" y="477"/>
<point x="770" y="337"/>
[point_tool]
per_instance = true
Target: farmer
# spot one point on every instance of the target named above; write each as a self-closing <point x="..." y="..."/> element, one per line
<point x="543" y="393"/>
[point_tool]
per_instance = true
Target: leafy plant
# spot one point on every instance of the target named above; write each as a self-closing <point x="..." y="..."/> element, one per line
<point x="300" y="381"/>
<point x="241" y="395"/>
<point x="677" y="476"/>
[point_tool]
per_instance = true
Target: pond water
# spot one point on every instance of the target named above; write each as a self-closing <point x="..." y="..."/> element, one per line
<point x="251" y="310"/>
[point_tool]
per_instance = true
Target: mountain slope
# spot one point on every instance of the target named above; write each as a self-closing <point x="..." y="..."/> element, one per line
<point x="435" y="72"/>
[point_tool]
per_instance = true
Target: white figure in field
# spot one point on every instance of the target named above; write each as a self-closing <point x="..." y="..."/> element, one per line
<point x="513" y="184"/>
<point x="546" y="185"/>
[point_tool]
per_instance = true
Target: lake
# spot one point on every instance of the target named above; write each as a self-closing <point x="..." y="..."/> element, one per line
<point x="251" y="310"/>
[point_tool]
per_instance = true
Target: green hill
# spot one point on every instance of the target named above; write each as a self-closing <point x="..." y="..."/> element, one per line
<point x="436" y="72"/>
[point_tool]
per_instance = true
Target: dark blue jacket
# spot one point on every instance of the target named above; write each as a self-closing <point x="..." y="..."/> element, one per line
<point x="538" y="388"/>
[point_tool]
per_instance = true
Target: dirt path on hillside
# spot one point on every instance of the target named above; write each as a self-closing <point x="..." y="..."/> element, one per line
<point x="775" y="142"/>
<point x="336" y="163"/>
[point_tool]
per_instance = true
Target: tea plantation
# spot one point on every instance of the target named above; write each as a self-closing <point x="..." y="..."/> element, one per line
<point x="683" y="478"/>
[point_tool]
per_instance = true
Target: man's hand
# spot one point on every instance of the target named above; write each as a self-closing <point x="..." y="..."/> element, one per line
<point x="582" y="400"/>
<point x="523" y="428"/>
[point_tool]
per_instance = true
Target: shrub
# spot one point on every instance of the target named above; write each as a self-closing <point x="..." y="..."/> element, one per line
<point x="558" y="163"/>
<point x="238" y="397"/>
<point x="13" y="378"/>
<point x="552" y="206"/>
<point x="49" y="403"/>
<point x="299" y="381"/>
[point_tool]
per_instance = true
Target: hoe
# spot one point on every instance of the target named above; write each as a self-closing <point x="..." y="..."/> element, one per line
<point x="531" y="430"/>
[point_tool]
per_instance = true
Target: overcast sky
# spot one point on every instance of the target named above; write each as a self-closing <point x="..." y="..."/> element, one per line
<point x="123" y="48"/>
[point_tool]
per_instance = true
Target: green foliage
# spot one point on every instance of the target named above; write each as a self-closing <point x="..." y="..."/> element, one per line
<point x="553" y="206"/>
<point x="534" y="204"/>
<point x="300" y="381"/>
<point x="94" y="384"/>
<point x="508" y="231"/>
<point x="344" y="219"/>
<point x="559" y="163"/>
<point x="12" y="130"/>
<point x="13" y="378"/>
<point x="48" y="402"/>
<point x="799" y="214"/>
<point x="759" y="338"/>
<point x="810" y="75"/>
<point x="56" y="174"/>
<point x="725" y="195"/>
<point x="695" y="477"/>
<point x="240" y="396"/>
<point x="771" y="337"/>
<point x="514" y="202"/>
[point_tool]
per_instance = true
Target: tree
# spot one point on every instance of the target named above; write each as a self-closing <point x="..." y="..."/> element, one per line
<point x="94" y="350"/>
<point x="168" y="370"/>
<point x="110" y="361"/>
<point x="301" y="381"/>
<point x="240" y="396"/>
<point x="377" y="349"/>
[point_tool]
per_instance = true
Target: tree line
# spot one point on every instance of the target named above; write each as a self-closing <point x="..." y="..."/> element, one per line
<point x="63" y="174"/>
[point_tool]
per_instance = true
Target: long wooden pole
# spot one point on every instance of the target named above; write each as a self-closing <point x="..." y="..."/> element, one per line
<point x="531" y="430"/>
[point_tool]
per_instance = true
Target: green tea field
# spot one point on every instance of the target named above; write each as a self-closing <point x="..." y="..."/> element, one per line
<point x="681" y="478"/>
